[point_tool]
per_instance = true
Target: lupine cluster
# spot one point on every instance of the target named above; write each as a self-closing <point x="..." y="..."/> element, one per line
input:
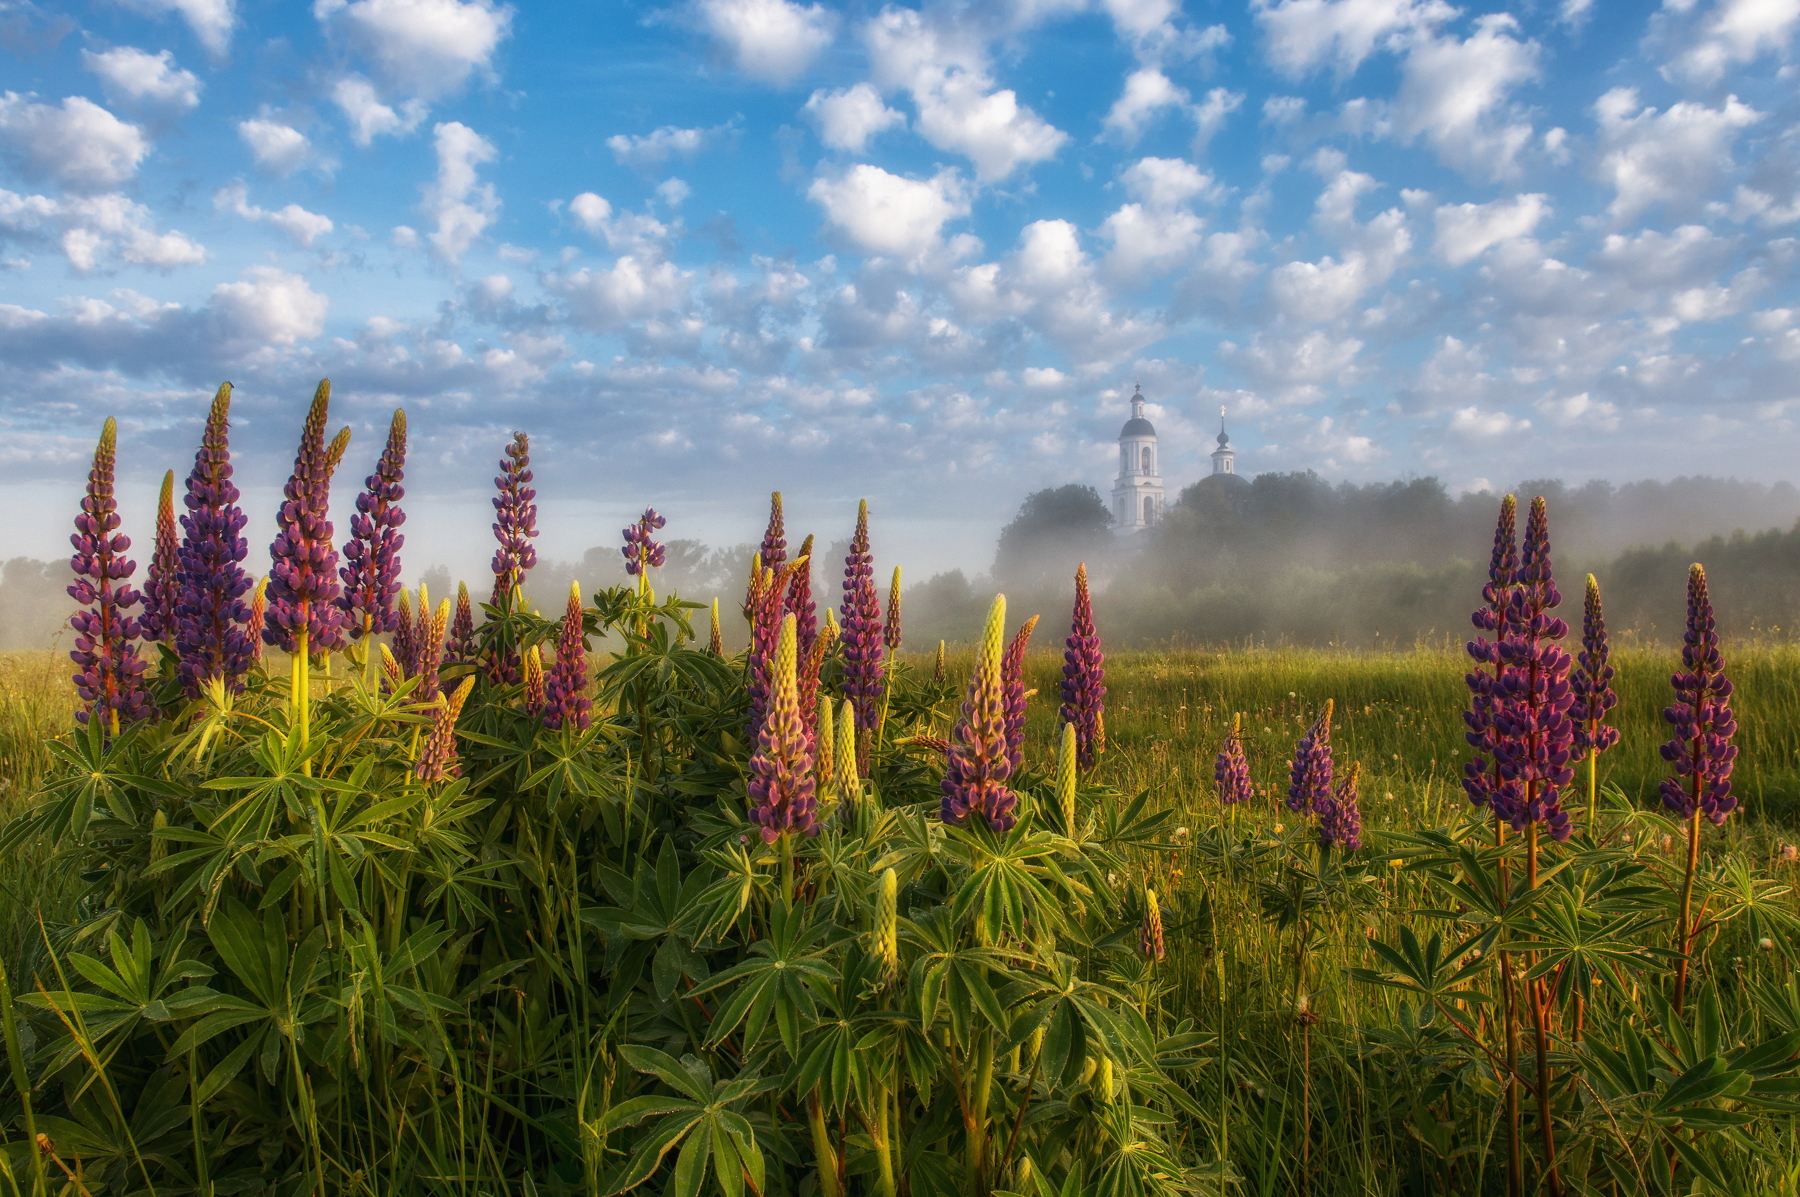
<point x="515" y="521"/>
<point x="303" y="560"/>
<point x="217" y="636"/>
<point x="109" y="677"/>
<point x="1012" y="674"/>
<point x="1533" y="737"/>
<point x="371" y="569"/>
<point x="1084" y="678"/>
<point x="162" y="581"/>
<point x="1701" y="749"/>
<point x="566" y="702"/>
<point x="864" y="679"/>
<point x="1309" y="777"/>
<point x="1231" y="769"/>
<point x="975" y="783"/>
<point x="1479" y="781"/>
<point x="1591" y="682"/>
<point x="1340" y="814"/>
<point x="783" y="797"/>
<point x="642" y="552"/>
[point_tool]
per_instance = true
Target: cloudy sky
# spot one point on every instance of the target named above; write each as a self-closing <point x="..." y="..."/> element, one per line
<point x="701" y="250"/>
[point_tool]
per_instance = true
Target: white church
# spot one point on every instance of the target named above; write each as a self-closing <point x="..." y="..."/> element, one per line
<point x="1138" y="498"/>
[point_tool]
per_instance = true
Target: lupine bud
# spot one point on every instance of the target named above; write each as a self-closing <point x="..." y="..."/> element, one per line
<point x="421" y="628"/>
<point x="371" y="571"/>
<point x="437" y="760"/>
<point x="162" y="579"/>
<point x="1231" y="769"/>
<point x="1065" y="778"/>
<point x="811" y="664"/>
<point x="887" y="923"/>
<point x="753" y="591"/>
<point x="431" y="653"/>
<point x="1591" y="681"/>
<point x="716" y="644"/>
<point x="1084" y="678"/>
<point x="391" y="673"/>
<point x="642" y="551"/>
<point x="1480" y="781"/>
<point x="843" y="759"/>
<point x="1701" y="750"/>
<point x="937" y="670"/>
<point x="765" y="630"/>
<point x="259" y="607"/>
<point x="800" y="601"/>
<point x="334" y="452"/>
<point x="406" y="649"/>
<point x="109" y="678"/>
<point x="1103" y="1080"/>
<point x="864" y="679"/>
<point x="1150" y="931"/>
<point x="782" y="794"/>
<point x="1309" y="781"/>
<point x="773" y="551"/>
<point x="461" y="646"/>
<point x="974" y="785"/>
<point x="1340" y="815"/>
<point x="566" y="701"/>
<point x="303" y="581"/>
<point x="533" y="664"/>
<point x="890" y="632"/>
<point x="824" y="758"/>
<point x="1012" y="673"/>
<point x="211" y="633"/>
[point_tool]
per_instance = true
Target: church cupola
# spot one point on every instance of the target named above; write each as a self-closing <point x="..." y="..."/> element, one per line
<point x="1224" y="458"/>
<point x="1138" y="493"/>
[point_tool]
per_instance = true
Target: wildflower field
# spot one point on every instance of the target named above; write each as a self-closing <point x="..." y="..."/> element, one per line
<point x="331" y="888"/>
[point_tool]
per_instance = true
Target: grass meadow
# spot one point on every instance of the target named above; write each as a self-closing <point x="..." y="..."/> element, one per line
<point x="1229" y="969"/>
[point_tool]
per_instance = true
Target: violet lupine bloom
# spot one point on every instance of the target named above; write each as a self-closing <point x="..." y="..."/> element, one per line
<point x="1480" y="780"/>
<point x="1340" y="815"/>
<point x="303" y="559"/>
<point x="515" y="525"/>
<point x="371" y="569"/>
<point x="1701" y="749"/>
<point x="1231" y="769"/>
<point x="162" y="579"/>
<point x="783" y="794"/>
<point x="1084" y="678"/>
<point x="765" y="634"/>
<point x="1533" y="736"/>
<point x="1592" y="679"/>
<point x="1012" y="675"/>
<point x="460" y="649"/>
<point x="773" y="550"/>
<point x="860" y="611"/>
<point x="974" y="785"/>
<point x="214" y="634"/>
<point x="890" y="631"/>
<point x="642" y="553"/>
<point x="800" y="602"/>
<point x="109" y="678"/>
<point x="1309" y="778"/>
<point x="565" y="691"/>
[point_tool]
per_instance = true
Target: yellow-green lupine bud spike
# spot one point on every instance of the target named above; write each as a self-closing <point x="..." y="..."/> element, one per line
<point x="1103" y="1083"/>
<point x="843" y="757"/>
<point x="937" y="672"/>
<point x="1089" y="1066"/>
<point x="716" y="646"/>
<point x="993" y="644"/>
<point x="159" y="847"/>
<point x="887" y="922"/>
<point x="890" y="635"/>
<point x="824" y="761"/>
<point x="390" y="669"/>
<point x="1150" y="934"/>
<point x="1065" y="778"/>
<point x="831" y="622"/>
<point x="334" y="452"/>
<point x="532" y="665"/>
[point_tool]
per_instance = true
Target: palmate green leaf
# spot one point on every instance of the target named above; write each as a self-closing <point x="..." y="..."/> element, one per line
<point x="1427" y="972"/>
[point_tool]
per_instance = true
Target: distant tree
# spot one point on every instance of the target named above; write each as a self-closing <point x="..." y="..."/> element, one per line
<point x="34" y="602"/>
<point x="1055" y="530"/>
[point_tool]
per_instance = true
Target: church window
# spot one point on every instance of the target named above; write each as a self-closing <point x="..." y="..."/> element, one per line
<point x="1149" y="509"/>
<point x="1149" y="460"/>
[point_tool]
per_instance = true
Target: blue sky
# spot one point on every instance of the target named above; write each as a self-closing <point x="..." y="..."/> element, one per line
<point x="920" y="254"/>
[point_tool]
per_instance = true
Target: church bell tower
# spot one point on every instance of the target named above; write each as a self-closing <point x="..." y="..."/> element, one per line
<point x="1137" y="495"/>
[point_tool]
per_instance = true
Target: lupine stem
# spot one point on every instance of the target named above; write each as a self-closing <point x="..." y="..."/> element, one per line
<point x="1684" y="929"/>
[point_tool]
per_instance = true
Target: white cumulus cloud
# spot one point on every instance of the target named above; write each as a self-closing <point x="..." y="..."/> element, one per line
<point x="211" y="20"/>
<point x="1454" y="93"/>
<point x="1675" y="157"/>
<point x="651" y="150"/>
<point x="132" y="76"/>
<point x="303" y="226"/>
<point x="848" y="117"/>
<point x="889" y="214"/>
<point x="369" y="117"/>
<point x="76" y="143"/>
<point x="277" y="148"/>
<point x="96" y="231"/>
<point x="1304" y="35"/>
<point x="269" y="307"/>
<point x="462" y="207"/>
<point x="1147" y="92"/>
<point x="1733" y="32"/>
<point x="420" y="48"/>
<point x="1466" y="231"/>
<point x="770" y="40"/>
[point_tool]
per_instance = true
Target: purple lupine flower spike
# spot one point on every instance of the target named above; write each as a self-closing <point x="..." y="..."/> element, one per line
<point x="566" y="702"/>
<point x="974" y="785"/>
<point x="1084" y="678"/>
<point x="461" y="647"/>
<point x="1231" y="768"/>
<point x="1309" y="778"/>
<point x="642" y="552"/>
<point x="800" y="602"/>
<point x="770" y="607"/>
<point x="773" y="550"/>
<point x="1701" y="749"/>
<point x="1012" y="677"/>
<point x="1533" y="736"/>
<point x="303" y="581"/>
<point x="162" y="581"/>
<point x="515" y="525"/>
<point x="1592" y="680"/>
<point x="371" y="571"/>
<point x="783" y="793"/>
<point x="214" y="636"/>
<point x="1340" y="814"/>
<point x="860" y="613"/>
<point x="1480" y="778"/>
<point x="109" y="678"/>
